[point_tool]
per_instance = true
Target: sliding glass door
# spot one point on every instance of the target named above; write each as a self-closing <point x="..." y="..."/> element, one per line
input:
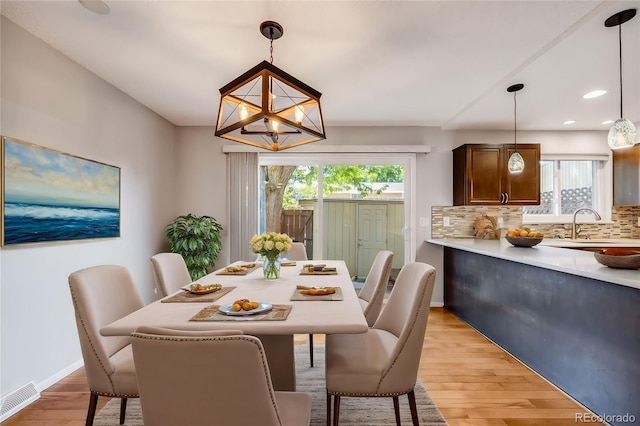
<point x="345" y="208"/>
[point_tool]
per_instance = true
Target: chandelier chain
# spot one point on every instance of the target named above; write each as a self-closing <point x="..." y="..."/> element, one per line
<point x="271" y="45"/>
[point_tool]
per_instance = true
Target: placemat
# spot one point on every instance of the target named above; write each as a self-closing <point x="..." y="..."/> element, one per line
<point x="330" y="297"/>
<point x="211" y="313"/>
<point x="185" y="296"/>
<point x="306" y="272"/>
<point x="245" y="271"/>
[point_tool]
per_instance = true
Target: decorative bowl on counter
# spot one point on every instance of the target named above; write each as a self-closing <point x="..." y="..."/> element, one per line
<point x="523" y="241"/>
<point x="622" y="258"/>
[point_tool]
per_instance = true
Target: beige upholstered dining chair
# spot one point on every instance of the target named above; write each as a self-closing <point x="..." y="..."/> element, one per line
<point x="170" y="272"/>
<point x="206" y="378"/>
<point x="101" y="295"/>
<point x="298" y="252"/>
<point x="384" y="360"/>
<point x="371" y="295"/>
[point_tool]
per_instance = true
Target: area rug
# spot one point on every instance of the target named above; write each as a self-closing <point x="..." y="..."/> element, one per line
<point x="353" y="411"/>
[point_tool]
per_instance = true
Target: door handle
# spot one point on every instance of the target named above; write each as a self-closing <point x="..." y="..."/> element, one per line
<point x="506" y="198"/>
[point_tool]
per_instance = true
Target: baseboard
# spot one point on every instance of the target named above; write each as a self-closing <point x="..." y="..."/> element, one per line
<point x="52" y="380"/>
<point x="437" y="304"/>
<point x="25" y="395"/>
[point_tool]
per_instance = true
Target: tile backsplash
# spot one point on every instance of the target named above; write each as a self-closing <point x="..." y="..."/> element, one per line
<point x="624" y="222"/>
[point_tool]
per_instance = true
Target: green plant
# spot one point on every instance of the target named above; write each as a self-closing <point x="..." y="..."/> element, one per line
<point x="197" y="239"/>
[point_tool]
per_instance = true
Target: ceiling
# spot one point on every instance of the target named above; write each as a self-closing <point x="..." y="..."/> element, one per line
<point x="392" y="63"/>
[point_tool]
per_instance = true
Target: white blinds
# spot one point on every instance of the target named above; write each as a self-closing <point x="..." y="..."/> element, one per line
<point x="242" y="176"/>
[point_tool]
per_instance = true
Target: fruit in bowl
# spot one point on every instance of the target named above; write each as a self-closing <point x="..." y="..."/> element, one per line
<point x="524" y="232"/>
<point x="524" y="237"/>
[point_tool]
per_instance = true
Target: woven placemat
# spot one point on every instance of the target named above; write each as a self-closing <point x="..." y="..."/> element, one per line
<point x="185" y="296"/>
<point x="330" y="297"/>
<point x="211" y="313"/>
<point x="305" y="271"/>
<point x="245" y="271"/>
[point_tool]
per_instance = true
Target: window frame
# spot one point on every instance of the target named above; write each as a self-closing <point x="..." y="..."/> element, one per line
<point x="603" y="186"/>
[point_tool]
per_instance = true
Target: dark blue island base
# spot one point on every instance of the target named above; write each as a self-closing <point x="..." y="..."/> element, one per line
<point x="581" y="334"/>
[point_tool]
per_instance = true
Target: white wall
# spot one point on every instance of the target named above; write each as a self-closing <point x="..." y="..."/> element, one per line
<point x="201" y="183"/>
<point x="51" y="101"/>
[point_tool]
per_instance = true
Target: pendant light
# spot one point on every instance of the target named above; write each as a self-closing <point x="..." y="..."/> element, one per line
<point x="516" y="162"/>
<point x="623" y="133"/>
<point x="267" y="108"/>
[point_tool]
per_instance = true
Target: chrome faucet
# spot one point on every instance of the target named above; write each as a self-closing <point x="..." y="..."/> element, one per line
<point x="574" y="233"/>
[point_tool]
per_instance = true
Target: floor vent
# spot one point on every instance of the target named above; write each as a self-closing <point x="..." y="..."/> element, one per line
<point x="17" y="400"/>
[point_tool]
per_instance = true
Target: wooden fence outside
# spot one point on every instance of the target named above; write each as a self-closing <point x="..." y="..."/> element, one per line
<point x="298" y="224"/>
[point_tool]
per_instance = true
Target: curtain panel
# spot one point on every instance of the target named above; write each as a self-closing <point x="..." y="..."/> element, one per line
<point x="242" y="176"/>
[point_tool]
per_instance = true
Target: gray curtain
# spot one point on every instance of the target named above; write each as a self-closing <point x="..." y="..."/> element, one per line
<point x="242" y="175"/>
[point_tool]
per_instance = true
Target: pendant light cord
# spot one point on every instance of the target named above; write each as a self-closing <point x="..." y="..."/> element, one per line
<point x="620" y="50"/>
<point x="515" y="117"/>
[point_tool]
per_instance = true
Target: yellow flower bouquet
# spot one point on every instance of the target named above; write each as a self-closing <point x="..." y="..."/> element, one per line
<point x="269" y="245"/>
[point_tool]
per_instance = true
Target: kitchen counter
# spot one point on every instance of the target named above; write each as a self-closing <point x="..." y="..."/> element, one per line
<point x="557" y="310"/>
<point x="575" y="262"/>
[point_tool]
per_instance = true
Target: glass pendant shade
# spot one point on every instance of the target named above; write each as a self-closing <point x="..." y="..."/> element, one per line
<point x="516" y="163"/>
<point x="268" y="108"/>
<point x="622" y="134"/>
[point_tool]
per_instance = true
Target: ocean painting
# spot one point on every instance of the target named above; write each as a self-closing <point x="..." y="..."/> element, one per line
<point x="52" y="196"/>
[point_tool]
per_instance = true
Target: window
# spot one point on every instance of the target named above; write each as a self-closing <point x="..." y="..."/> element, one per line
<point x="567" y="185"/>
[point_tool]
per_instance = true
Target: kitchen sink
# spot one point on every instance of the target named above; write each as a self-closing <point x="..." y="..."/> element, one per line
<point x="592" y="245"/>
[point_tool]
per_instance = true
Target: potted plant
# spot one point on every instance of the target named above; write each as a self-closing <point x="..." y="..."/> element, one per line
<point x="197" y="240"/>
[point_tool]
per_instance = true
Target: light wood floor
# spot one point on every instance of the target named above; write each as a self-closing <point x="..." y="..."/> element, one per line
<point x="472" y="381"/>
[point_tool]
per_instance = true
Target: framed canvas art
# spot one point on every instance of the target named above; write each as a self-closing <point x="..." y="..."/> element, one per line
<point x="51" y="196"/>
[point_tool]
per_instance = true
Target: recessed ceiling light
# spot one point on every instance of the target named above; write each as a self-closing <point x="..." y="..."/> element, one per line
<point x="607" y="122"/>
<point x="96" y="6"/>
<point x="569" y="122"/>
<point x="594" y="94"/>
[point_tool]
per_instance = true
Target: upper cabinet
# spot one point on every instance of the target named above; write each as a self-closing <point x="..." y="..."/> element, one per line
<point x="481" y="177"/>
<point x="626" y="176"/>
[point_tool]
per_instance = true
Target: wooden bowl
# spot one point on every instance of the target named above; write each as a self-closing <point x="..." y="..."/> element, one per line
<point x="523" y="241"/>
<point x="619" y="258"/>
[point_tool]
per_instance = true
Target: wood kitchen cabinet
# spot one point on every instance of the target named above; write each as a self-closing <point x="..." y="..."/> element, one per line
<point x="481" y="177"/>
<point x="626" y="176"/>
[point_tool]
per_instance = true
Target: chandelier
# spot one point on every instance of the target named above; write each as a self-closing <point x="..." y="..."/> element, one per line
<point x="267" y="108"/>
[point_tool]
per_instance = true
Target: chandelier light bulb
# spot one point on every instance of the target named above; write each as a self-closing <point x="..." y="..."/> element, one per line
<point x="274" y="126"/>
<point x="299" y="114"/>
<point x="242" y="110"/>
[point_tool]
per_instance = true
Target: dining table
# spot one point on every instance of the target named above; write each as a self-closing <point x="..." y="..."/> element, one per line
<point x="283" y="309"/>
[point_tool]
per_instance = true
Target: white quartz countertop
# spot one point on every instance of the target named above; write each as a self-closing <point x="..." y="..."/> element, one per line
<point x="576" y="262"/>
